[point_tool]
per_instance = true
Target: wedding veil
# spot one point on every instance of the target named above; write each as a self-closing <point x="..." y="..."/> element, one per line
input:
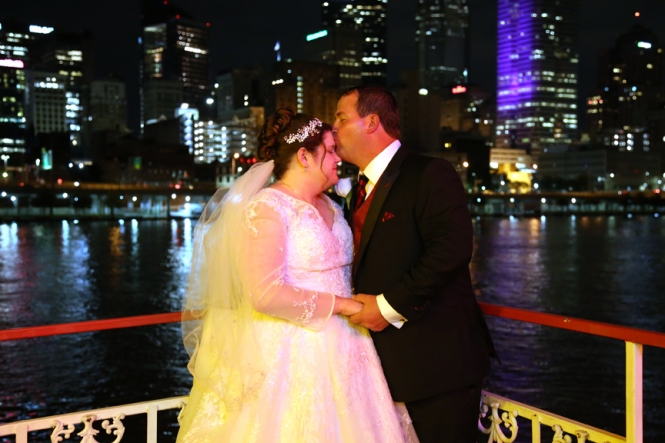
<point x="217" y="322"/>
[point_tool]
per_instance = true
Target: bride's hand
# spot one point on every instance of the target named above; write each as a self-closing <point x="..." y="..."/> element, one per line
<point x="346" y="306"/>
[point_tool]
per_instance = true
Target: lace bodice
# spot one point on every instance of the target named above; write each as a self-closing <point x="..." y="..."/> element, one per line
<point x="293" y="263"/>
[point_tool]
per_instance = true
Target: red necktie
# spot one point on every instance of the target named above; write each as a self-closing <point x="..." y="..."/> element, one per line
<point x="361" y="192"/>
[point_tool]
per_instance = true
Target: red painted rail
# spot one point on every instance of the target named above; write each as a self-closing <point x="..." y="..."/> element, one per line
<point x="649" y="338"/>
<point x="634" y="335"/>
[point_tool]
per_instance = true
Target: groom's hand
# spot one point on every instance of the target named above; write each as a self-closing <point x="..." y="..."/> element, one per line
<point x="370" y="315"/>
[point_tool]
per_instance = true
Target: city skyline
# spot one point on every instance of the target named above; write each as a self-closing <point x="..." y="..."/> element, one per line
<point x="252" y="35"/>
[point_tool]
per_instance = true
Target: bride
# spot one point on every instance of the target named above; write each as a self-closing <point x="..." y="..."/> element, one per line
<point x="273" y="355"/>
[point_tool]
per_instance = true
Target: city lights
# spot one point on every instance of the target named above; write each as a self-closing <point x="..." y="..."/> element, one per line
<point x="316" y="35"/>
<point x="41" y="29"/>
<point x="8" y="63"/>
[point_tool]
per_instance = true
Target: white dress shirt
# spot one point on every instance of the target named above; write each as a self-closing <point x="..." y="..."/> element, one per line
<point x="373" y="172"/>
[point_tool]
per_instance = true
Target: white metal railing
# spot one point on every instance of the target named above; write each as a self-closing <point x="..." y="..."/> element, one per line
<point x="493" y="425"/>
<point x="563" y="427"/>
<point x="63" y="426"/>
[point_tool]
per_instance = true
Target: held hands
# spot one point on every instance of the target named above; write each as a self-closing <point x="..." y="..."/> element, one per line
<point x="370" y="314"/>
<point x="346" y="306"/>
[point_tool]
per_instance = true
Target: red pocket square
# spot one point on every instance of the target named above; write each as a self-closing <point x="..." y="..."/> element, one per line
<point x="387" y="216"/>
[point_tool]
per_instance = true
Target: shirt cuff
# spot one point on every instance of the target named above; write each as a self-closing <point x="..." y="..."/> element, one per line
<point x="393" y="317"/>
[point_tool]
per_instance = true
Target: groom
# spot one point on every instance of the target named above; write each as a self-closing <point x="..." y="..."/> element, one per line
<point x="413" y="243"/>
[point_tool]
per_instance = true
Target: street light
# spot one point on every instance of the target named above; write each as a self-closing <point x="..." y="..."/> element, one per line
<point x="4" y="158"/>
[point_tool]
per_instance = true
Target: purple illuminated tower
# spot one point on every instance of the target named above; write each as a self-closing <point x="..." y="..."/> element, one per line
<point x="537" y="74"/>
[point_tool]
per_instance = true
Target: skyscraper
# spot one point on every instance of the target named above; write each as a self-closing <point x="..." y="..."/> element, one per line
<point x="16" y="43"/>
<point x="537" y="74"/>
<point x="47" y="97"/>
<point x="370" y="17"/>
<point x="341" y="47"/>
<point x="442" y="42"/>
<point x="12" y="108"/>
<point x="630" y="87"/>
<point x="174" y="47"/>
<point x="69" y="54"/>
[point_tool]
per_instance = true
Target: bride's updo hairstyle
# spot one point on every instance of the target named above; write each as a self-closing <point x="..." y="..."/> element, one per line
<point x="284" y="126"/>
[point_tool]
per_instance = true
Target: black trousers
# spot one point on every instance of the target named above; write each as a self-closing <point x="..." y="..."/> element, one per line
<point x="451" y="417"/>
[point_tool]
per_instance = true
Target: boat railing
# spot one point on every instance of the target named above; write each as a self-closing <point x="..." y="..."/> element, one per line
<point x="498" y="417"/>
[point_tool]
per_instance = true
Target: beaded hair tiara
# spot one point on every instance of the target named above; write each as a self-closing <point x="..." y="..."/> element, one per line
<point x="304" y="132"/>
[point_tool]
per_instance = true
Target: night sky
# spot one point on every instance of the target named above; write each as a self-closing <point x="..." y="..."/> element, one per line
<point x="245" y="31"/>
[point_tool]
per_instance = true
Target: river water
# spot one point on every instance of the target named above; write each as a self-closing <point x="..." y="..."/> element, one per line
<point x="609" y="269"/>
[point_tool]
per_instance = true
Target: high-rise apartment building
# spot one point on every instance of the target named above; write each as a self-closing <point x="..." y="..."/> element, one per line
<point x="369" y="16"/>
<point x="537" y="74"/>
<point x="442" y="43"/>
<point x="174" y="47"/>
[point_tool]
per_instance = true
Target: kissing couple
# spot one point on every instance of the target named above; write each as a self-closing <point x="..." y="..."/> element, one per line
<point x="306" y="324"/>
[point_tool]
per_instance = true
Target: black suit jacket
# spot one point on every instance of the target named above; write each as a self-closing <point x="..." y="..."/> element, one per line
<point x="415" y="248"/>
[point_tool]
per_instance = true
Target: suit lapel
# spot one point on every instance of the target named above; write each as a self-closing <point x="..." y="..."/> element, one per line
<point x="381" y="191"/>
<point x="348" y="211"/>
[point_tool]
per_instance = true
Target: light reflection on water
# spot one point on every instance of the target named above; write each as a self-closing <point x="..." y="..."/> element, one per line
<point x="600" y="268"/>
<point x="606" y="269"/>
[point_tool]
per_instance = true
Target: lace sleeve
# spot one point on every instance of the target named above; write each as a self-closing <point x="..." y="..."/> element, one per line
<point x="261" y="264"/>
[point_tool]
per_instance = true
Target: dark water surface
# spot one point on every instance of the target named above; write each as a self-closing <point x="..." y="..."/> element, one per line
<point x="609" y="269"/>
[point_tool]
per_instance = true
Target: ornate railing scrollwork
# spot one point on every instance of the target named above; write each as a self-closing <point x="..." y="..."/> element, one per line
<point x="507" y="419"/>
<point x="59" y="431"/>
<point x="505" y="413"/>
<point x="582" y="436"/>
<point x="560" y="437"/>
<point x="88" y="433"/>
<point x="117" y="427"/>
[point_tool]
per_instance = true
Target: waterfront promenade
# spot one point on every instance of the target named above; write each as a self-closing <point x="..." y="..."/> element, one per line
<point x="77" y="201"/>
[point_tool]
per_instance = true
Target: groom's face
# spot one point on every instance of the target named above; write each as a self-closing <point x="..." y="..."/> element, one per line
<point x="349" y="128"/>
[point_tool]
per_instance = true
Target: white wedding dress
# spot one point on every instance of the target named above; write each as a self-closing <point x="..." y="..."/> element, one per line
<point x="321" y="379"/>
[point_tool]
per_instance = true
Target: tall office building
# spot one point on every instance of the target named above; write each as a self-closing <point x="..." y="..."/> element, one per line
<point x="312" y="87"/>
<point x="16" y="43"/>
<point x="106" y="105"/>
<point x="12" y="109"/>
<point x="241" y="88"/>
<point x="46" y="94"/>
<point x="173" y="47"/>
<point x="342" y="47"/>
<point x="630" y="88"/>
<point x="161" y="98"/>
<point x="369" y="16"/>
<point x="537" y="74"/>
<point x="442" y="43"/>
<point x="69" y="54"/>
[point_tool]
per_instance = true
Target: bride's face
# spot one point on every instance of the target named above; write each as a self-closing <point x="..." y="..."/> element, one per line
<point x="327" y="158"/>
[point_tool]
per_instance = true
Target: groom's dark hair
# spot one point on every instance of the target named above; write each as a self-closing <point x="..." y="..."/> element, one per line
<point x="376" y="99"/>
